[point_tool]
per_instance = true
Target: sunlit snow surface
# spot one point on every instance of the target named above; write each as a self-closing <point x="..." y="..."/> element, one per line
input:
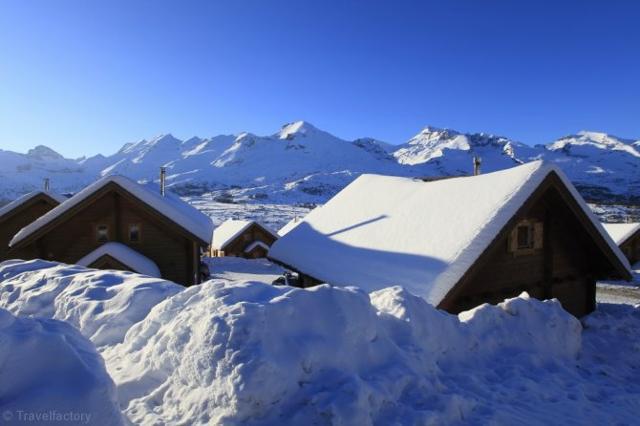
<point x="238" y="350"/>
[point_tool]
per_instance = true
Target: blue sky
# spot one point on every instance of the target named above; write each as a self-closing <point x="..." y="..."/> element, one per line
<point x="86" y="77"/>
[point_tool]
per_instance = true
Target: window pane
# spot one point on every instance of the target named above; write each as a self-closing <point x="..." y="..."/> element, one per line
<point x="524" y="237"/>
<point x="134" y="233"/>
<point x="102" y="233"/>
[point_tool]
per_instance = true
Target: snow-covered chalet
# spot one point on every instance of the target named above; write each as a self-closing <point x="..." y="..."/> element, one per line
<point x="458" y="242"/>
<point x="21" y="212"/>
<point x="242" y="238"/>
<point x="116" y="223"/>
<point x="627" y="237"/>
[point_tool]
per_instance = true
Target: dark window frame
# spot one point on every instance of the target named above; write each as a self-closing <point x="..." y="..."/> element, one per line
<point x="139" y="239"/>
<point x="102" y="233"/>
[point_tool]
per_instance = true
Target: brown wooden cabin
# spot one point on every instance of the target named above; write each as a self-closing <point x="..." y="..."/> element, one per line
<point x="242" y="238"/>
<point x="550" y="246"/>
<point x="627" y="237"/>
<point x="21" y="212"/>
<point x="161" y="228"/>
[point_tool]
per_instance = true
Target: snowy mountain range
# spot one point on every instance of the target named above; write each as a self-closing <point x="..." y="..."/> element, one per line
<point x="301" y="163"/>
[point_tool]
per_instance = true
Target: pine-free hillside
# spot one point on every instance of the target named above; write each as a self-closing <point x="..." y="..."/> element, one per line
<point x="458" y="242"/>
<point x="301" y="163"/>
<point x="116" y="223"/>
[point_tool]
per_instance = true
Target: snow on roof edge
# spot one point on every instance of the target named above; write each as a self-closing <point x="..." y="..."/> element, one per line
<point x="170" y="206"/>
<point x="125" y="254"/>
<point x="255" y="244"/>
<point x="28" y="196"/>
<point x="621" y="239"/>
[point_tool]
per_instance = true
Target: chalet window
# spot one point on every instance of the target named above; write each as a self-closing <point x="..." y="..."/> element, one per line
<point x="134" y="233"/>
<point x="526" y="237"/>
<point x="102" y="233"/>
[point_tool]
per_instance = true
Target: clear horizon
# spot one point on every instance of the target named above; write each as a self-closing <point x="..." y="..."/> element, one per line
<point x="87" y="78"/>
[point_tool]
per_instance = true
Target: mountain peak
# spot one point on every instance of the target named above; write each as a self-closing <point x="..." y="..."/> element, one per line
<point x="291" y="130"/>
<point x="44" y="152"/>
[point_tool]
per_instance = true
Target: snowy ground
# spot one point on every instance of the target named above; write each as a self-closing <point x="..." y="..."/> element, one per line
<point x="621" y="291"/>
<point x="238" y="350"/>
<point x="273" y="215"/>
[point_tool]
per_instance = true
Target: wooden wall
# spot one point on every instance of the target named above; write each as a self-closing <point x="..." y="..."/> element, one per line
<point x="631" y="248"/>
<point x="564" y="267"/>
<point x="176" y="256"/>
<point x="17" y="219"/>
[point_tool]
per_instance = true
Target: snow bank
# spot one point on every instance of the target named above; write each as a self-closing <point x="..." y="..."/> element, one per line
<point x="102" y="304"/>
<point x="52" y="374"/>
<point x="248" y="352"/>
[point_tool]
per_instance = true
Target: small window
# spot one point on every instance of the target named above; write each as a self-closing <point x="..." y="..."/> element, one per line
<point x="525" y="237"/>
<point x="134" y="233"/>
<point x="102" y="233"/>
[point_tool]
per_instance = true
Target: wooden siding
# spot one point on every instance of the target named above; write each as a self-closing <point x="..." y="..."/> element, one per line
<point x="631" y="248"/>
<point x="73" y="236"/>
<point x="18" y="218"/>
<point x="565" y="267"/>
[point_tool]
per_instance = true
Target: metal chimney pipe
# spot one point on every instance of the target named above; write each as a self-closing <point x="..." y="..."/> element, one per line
<point x="46" y="184"/>
<point x="476" y="165"/>
<point x="163" y="174"/>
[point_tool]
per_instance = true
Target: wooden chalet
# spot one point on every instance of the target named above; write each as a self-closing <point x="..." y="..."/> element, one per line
<point x="242" y="238"/>
<point x="21" y="212"/>
<point x="458" y="242"/>
<point x="116" y="223"/>
<point x="627" y="237"/>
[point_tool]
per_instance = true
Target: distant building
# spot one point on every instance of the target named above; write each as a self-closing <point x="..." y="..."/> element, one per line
<point x="458" y="242"/>
<point x="21" y="212"/>
<point x="242" y="238"/>
<point x="627" y="237"/>
<point x="116" y="223"/>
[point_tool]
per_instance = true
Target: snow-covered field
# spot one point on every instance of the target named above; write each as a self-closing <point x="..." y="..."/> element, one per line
<point x="273" y="215"/>
<point x="239" y="350"/>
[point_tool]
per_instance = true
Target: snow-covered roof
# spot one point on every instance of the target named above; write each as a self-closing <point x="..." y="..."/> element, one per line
<point x="26" y="197"/>
<point x="122" y="253"/>
<point x="382" y="231"/>
<point x="620" y="232"/>
<point x="255" y="244"/>
<point x="171" y="206"/>
<point x="289" y="226"/>
<point x="230" y="229"/>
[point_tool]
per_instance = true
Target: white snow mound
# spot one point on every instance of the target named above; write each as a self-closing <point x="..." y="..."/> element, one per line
<point x="251" y="353"/>
<point x="51" y="374"/>
<point x="102" y="304"/>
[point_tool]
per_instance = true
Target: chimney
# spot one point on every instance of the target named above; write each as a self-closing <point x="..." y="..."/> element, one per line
<point x="46" y="184"/>
<point x="476" y="165"/>
<point x="163" y="174"/>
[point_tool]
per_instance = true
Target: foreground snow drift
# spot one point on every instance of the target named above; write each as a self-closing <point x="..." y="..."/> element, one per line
<point x="253" y="353"/>
<point x="101" y="304"/>
<point x="51" y="374"/>
<point x="238" y="351"/>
